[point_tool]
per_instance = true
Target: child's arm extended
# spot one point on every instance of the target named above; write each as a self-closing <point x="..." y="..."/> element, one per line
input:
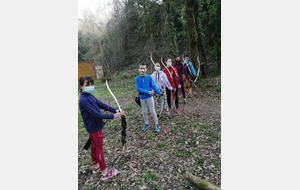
<point x="106" y="107"/>
<point x="96" y="112"/>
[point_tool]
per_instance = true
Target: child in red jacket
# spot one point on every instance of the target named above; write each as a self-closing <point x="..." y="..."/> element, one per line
<point x="171" y="73"/>
<point x="181" y="70"/>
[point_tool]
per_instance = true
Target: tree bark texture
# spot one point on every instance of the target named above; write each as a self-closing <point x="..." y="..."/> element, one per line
<point x="191" y="29"/>
<point x="202" y="184"/>
<point x="200" y="47"/>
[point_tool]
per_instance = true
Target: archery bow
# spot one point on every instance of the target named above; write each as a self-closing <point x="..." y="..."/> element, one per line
<point x="162" y="85"/>
<point x="198" y="70"/>
<point x="189" y="70"/>
<point x="187" y="64"/>
<point x="124" y="125"/>
<point x="165" y="67"/>
<point x="152" y="59"/>
<point x="168" y="69"/>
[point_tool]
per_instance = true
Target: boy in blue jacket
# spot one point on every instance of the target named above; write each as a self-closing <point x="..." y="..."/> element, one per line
<point x="146" y="88"/>
<point x="93" y="122"/>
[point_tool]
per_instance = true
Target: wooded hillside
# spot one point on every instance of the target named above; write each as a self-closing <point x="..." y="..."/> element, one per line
<point x="166" y="28"/>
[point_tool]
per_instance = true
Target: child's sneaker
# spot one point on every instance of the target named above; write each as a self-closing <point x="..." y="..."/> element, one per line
<point x="177" y="110"/>
<point x="109" y="174"/>
<point x="169" y="109"/>
<point x="96" y="169"/>
<point x="169" y="118"/>
<point x="145" y="127"/>
<point x="157" y="128"/>
<point x="184" y="100"/>
<point x="190" y="95"/>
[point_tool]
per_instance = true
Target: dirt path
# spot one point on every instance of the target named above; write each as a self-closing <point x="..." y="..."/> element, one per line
<point x="190" y="141"/>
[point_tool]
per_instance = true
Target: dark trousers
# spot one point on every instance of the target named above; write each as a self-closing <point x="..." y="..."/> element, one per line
<point x="182" y="88"/>
<point x="169" y="92"/>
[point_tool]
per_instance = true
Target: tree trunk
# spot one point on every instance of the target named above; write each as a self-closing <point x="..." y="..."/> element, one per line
<point x="202" y="184"/>
<point x="191" y="29"/>
<point x="203" y="70"/>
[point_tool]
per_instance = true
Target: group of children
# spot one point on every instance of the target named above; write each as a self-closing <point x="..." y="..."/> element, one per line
<point x="166" y="82"/>
<point x="162" y="83"/>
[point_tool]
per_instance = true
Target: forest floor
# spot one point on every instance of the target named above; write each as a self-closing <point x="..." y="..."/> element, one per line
<point x="191" y="141"/>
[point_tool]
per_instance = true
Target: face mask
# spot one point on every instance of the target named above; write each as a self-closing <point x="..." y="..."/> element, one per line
<point x="142" y="71"/>
<point x="169" y="63"/>
<point x="157" y="68"/>
<point x="89" y="89"/>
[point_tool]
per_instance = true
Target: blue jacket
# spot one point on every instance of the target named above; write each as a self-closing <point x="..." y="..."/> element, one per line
<point x="144" y="85"/>
<point x="188" y="68"/>
<point x="91" y="114"/>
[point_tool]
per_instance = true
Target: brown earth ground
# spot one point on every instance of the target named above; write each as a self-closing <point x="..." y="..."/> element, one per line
<point x="191" y="141"/>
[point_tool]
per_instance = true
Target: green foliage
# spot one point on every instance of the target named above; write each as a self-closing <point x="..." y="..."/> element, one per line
<point x="160" y="145"/>
<point x="121" y="75"/>
<point x="183" y="153"/>
<point x="199" y="162"/>
<point x="174" y="131"/>
<point x="81" y="130"/>
<point x="208" y="15"/>
<point x="209" y="86"/>
<point x="192" y="135"/>
<point x="216" y="163"/>
<point x="149" y="135"/>
<point x="213" y="138"/>
<point x="138" y="27"/>
<point x="200" y="126"/>
<point x="218" y="88"/>
<point x="79" y="118"/>
<point x="147" y="154"/>
<point x="128" y="108"/>
<point x="96" y="81"/>
<point x="148" y="176"/>
<point x="181" y="141"/>
<point x="82" y="48"/>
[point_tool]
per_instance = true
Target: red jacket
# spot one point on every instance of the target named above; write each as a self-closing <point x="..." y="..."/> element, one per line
<point x="173" y="79"/>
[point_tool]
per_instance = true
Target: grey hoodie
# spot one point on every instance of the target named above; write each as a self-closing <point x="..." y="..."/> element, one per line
<point x="157" y="80"/>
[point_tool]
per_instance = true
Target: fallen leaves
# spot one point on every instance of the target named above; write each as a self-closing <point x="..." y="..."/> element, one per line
<point x="159" y="160"/>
